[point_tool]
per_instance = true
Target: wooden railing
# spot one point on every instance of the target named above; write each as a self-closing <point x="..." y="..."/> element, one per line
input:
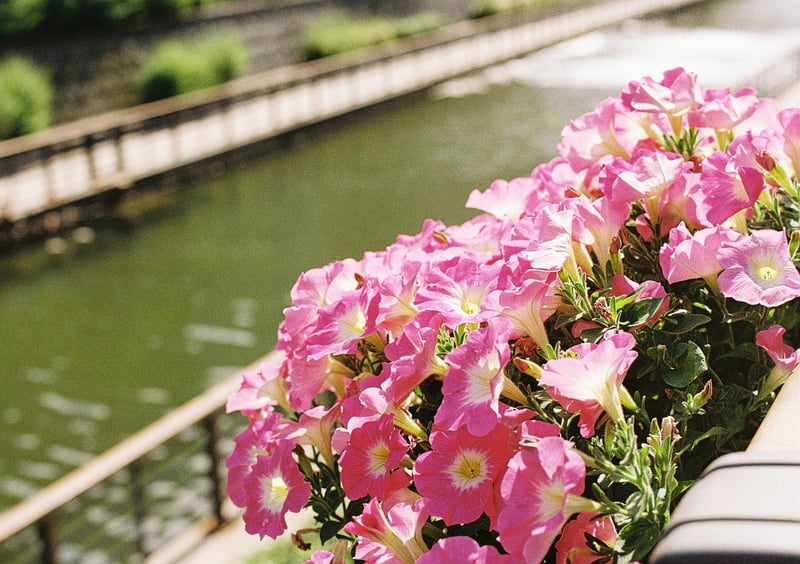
<point x="155" y="492"/>
<point x="68" y="163"/>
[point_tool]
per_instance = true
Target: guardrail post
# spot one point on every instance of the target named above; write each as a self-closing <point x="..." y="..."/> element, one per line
<point x="217" y="479"/>
<point x="46" y="535"/>
<point x="137" y="504"/>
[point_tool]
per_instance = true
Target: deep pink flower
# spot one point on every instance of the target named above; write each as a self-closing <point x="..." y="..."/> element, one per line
<point x="758" y="270"/>
<point x="389" y="535"/>
<point x="589" y="383"/>
<point x="456" y="477"/>
<point x="573" y="548"/>
<point x="461" y="550"/>
<point x="472" y="387"/>
<point x="688" y="256"/>
<point x="274" y="487"/>
<point x="538" y="493"/>
<point x="374" y="449"/>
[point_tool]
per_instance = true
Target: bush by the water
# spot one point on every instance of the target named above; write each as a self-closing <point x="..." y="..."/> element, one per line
<point x="26" y="98"/>
<point x="19" y="16"/>
<point x="177" y="68"/>
<point x="339" y="33"/>
<point x="483" y="8"/>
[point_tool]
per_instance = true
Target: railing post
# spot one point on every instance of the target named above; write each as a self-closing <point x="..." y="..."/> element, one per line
<point x="46" y="535"/>
<point x="137" y="504"/>
<point x="217" y="479"/>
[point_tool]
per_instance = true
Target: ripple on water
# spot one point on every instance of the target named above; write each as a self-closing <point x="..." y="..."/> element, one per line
<point x="71" y="407"/>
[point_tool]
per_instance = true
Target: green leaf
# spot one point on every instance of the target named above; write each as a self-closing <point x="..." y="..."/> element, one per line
<point x="329" y="530"/>
<point x="687" y="364"/>
<point x="639" y="313"/>
<point x="685" y="323"/>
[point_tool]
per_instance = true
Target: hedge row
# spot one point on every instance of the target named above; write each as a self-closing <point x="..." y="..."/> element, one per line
<point x="19" y="16"/>
<point x="339" y="33"/>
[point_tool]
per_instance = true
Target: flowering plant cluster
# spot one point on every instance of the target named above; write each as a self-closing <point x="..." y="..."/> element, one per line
<point x="544" y="381"/>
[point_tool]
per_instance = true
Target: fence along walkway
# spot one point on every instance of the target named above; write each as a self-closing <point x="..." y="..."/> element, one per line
<point x="51" y="169"/>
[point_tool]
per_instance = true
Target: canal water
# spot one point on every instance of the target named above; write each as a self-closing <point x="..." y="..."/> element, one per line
<point x="149" y="309"/>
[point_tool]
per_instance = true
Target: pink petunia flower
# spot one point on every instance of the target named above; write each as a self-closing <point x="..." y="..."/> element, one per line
<point x="722" y="110"/>
<point x="726" y="190"/>
<point x="594" y="138"/>
<point x="573" y="548"/>
<point x="264" y="388"/>
<point x="459" y="289"/>
<point x="461" y="550"/>
<point x="589" y="382"/>
<point x="673" y="96"/>
<point x="504" y="199"/>
<point x="784" y="357"/>
<point x="539" y="491"/>
<point x="374" y="448"/>
<point x="390" y="535"/>
<point x="456" y="477"/>
<point x="758" y="270"/>
<point x="274" y="487"/>
<point x="472" y="387"/>
<point x="688" y="256"/>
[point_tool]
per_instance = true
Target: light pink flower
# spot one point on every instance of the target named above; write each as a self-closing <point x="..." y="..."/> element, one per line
<point x="459" y="289"/>
<point x="722" y="110"/>
<point x="758" y="270"/>
<point x="374" y="449"/>
<point x="573" y="548"/>
<point x="593" y="138"/>
<point x="472" y="387"/>
<point x="456" y="477"/>
<point x="274" y="487"/>
<point x="264" y="388"/>
<point x="389" y="535"/>
<point x="771" y="340"/>
<point x="504" y="199"/>
<point x="528" y="302"/>
<point x="538" y="493"/>
<point x="673" y="96"/>
<point x="688" y="256"/>
<point x="790" y="120"/>
<point x="598" y="223"/>
<point x="589" y="383"/>
<point x="725" y="190"/>
<point x="461" y="550"/>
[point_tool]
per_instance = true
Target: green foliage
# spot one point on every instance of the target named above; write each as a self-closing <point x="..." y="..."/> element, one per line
<point x="177" y="68"/>
<point x="484" y="8"/>
<point x="26" y="98"/>
<point x="339" y="34"/>
<point x="17" y="16"/>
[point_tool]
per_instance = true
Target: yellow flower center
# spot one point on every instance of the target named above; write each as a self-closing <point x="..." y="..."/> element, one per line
<point x="767" y="273"/>
<point x="378" y="457"/>
<point x="275" y="493"/>
<point x="468" y="469"/>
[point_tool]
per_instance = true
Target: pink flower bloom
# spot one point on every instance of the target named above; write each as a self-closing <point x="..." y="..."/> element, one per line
<point x="673" y="96"/>
<point x="688" y="256"/>
<point x="771" y="340"/>
<point x="504" y="199"/>
<point x="589" y="383"/>
<point x="725" y="190"/>
<point x="257" y="391"/>
<point x="344" y="322"/>
<point x="790" y="120"/>
<point x="593" y="138"/>
<point x="758" y="270"/>
<point x="389" y="535"/>
<point x="573" y="548"/>
<point x="275" y="486"/>
<point x="315" y="428"/>
<point x="538" y="493"/>
<point x="461" y="550"/>
<point x="528" y="303"/>
<point x="456" y="477"/>
<point x="598" y="223"/>
<point x="459" y="289"/>
<point x="472" y="387"/>
<point x="374" y="448"/>
<point x="721" y="110"/>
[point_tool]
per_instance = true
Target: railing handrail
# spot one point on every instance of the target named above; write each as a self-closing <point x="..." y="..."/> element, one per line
<point x="253" y="85"/>
<point x="80" y="480"/>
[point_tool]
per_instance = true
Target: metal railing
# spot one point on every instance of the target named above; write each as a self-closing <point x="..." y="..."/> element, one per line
<point x="158" y="490"/>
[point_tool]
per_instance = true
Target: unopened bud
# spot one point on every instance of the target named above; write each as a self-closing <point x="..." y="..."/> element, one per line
<point x="527" y="367"/>
<point x="669" y="430"/>
<point x="441" y="237"/>
<point x="766" y="161"/>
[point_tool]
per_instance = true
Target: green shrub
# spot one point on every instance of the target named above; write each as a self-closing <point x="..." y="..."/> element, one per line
<point x="177" y="68"/>
<point x="17" y="16"/>
<point x="338" y="33"/>
<point x="26" y="98"/>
